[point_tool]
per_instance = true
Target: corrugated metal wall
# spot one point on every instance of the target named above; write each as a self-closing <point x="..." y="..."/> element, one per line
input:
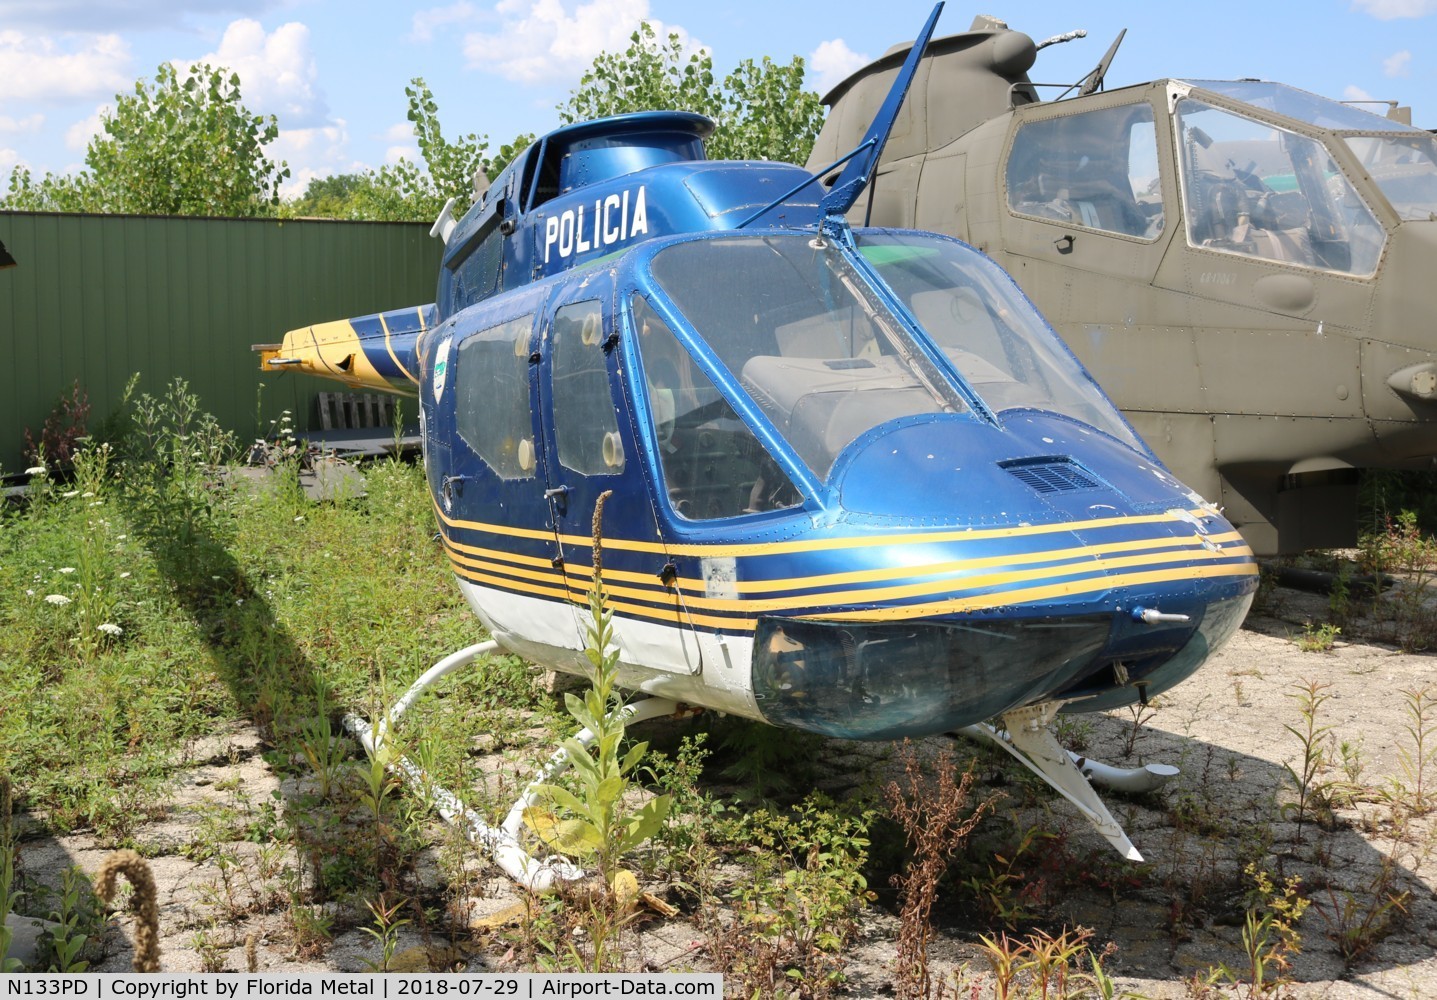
<point x="96" y="298"/>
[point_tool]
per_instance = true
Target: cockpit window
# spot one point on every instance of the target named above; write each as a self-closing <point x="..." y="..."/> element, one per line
<point x="1321" y="112"/>
<point x="793" y="320"/>
<point x="993" y="337"/>
<point x="1254" y="189"/>
<point x="1405" y="169"/>
<point x="1097" y="169"/>
<point x="712" y="464"/>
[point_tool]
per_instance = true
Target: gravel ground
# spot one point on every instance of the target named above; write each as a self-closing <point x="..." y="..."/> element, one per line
<point x="1226" y="728"/>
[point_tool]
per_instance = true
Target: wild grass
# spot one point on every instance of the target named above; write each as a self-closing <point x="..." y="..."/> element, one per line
<point x="151" y="598"/>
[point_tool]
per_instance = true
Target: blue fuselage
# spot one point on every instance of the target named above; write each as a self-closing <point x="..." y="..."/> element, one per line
<point x="942" y="564"/>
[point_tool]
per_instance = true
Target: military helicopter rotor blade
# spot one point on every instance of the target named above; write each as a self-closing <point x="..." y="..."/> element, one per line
<point x="1093" y="82"/>
<point x="859" y="171"/>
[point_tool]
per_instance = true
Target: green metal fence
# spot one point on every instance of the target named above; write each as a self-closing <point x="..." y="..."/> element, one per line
<point x="94" y="299"/>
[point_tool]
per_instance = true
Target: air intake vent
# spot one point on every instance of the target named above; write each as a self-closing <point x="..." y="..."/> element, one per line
<point x="1051" y="477"/>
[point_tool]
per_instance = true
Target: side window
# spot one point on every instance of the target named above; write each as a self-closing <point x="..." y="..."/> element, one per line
<point x="586" y="428"/>
<point x="476" y="277"/>
<point x="713" y="466"/>
<point x="492" y="397"/>
<point x="1254" y="189"/>
<point x="1097" y="169"/>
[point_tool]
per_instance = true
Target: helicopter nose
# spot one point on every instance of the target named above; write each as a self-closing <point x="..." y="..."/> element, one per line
<point x="888" y="680"/>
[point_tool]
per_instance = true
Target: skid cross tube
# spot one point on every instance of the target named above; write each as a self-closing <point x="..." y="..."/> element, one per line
<point x="500" y="842"/>
<point x="1029" y="740"/>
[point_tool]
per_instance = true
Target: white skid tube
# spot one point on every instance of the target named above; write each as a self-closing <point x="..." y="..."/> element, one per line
<point x="501" y="842"/>
<point x="1030" y="741"/>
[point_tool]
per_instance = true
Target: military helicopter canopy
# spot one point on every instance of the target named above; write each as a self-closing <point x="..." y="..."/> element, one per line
<point x="1244" y="266"/>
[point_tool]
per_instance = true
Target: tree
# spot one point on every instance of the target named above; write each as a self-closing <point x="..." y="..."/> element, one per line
<point x="403" y="191"/>
<point x="181" y="146"/>
<point x="761" y="110"/>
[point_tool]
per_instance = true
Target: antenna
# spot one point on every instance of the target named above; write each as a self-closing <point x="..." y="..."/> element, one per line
<point x="859" y="172"/>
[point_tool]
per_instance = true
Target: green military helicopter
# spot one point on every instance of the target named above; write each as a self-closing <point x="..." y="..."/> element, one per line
<point x="1247" y="268"/>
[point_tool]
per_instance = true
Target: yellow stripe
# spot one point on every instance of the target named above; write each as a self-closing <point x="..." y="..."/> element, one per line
<point x="581" y="569"/>
<point x="962" y="566"/>
<point x="948" y="583"/>
<point x="984" y="602"/>
<point x="579" y="595"/>
<point x="1012" y="597"/>
<point x="576" y="590"/>
<point x="817" y="544"/>
<point x="1085" y="556"/>
<point x="394" y="357"/>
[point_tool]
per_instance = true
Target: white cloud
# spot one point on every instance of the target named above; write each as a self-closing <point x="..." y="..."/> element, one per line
<point x="9" y="158"/>
<point x="30" y="124"/>
<point x="1352" y="93"/>
<point x="396" y="153"/>
<point x="1391" y="10"/>
<point x="299" y="180"/>
<point x="426" y="21"/>
<point x="831" y="63"/>
<point x="37" y="67"/>
<point x="1397" y="64"/>
<point x="539" y="40"/>
<point x="312" y="152"/>
<point x="399" y="132"/>
<point x="78" y="135"/>
<point x="276" y="70"/>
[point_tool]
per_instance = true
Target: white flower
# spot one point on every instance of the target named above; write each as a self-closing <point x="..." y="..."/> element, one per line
<point x="89" y="493"/>
<point x="125" y="575"/>
<point x="109" y="628"/>
<point x="70" y="493"/>
<point x="35" y="470"/>
<point x="29" y="593"/>
<point x="57" y="599"/>
<point x="67" y="569"/>
<point x="121" y="538"/>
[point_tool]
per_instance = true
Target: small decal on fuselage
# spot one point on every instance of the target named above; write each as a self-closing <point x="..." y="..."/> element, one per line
<point x="720" y="577"/>
<point x="441" y="368"/>
<point x="602" y="223"/>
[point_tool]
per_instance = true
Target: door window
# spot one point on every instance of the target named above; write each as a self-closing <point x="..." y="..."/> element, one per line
<point x="1097" y="169"/>
<point x="586" y="427"/>
<point x="492" y="411"/>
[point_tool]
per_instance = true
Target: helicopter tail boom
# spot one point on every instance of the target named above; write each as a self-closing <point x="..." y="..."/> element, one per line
<point x="377" y="352"/>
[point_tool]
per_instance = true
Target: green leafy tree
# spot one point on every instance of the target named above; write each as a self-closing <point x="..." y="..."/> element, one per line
<point x="761" y="110"/>
<point x="184" y="145"/>
<point x="405" y="191"/>
<point x="328" y="197"/>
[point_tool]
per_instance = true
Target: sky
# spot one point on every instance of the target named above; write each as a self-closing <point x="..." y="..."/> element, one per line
<point x="333" y="72"/>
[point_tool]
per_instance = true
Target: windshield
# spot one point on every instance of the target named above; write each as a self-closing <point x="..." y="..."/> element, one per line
<point x="993" y="336"/>
<point x="1405" y="169"/>
<point x="1254" y="189"/>
<point x="796" y="324"/>
<point x="1319" y="111"/>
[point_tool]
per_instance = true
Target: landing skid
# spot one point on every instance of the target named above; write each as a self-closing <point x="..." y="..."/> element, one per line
<point x="1027" y="738"/>
<point x="1033" y="744"/>
<point x="501" y="842"/>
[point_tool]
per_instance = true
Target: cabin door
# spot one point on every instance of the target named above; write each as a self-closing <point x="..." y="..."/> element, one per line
<point x="586" y="455"/>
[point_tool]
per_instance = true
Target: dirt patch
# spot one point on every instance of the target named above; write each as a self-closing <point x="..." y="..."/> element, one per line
<point x="1234" y="729"/>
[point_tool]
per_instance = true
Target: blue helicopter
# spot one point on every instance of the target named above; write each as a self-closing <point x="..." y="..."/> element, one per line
<point x="858" y="486"/>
